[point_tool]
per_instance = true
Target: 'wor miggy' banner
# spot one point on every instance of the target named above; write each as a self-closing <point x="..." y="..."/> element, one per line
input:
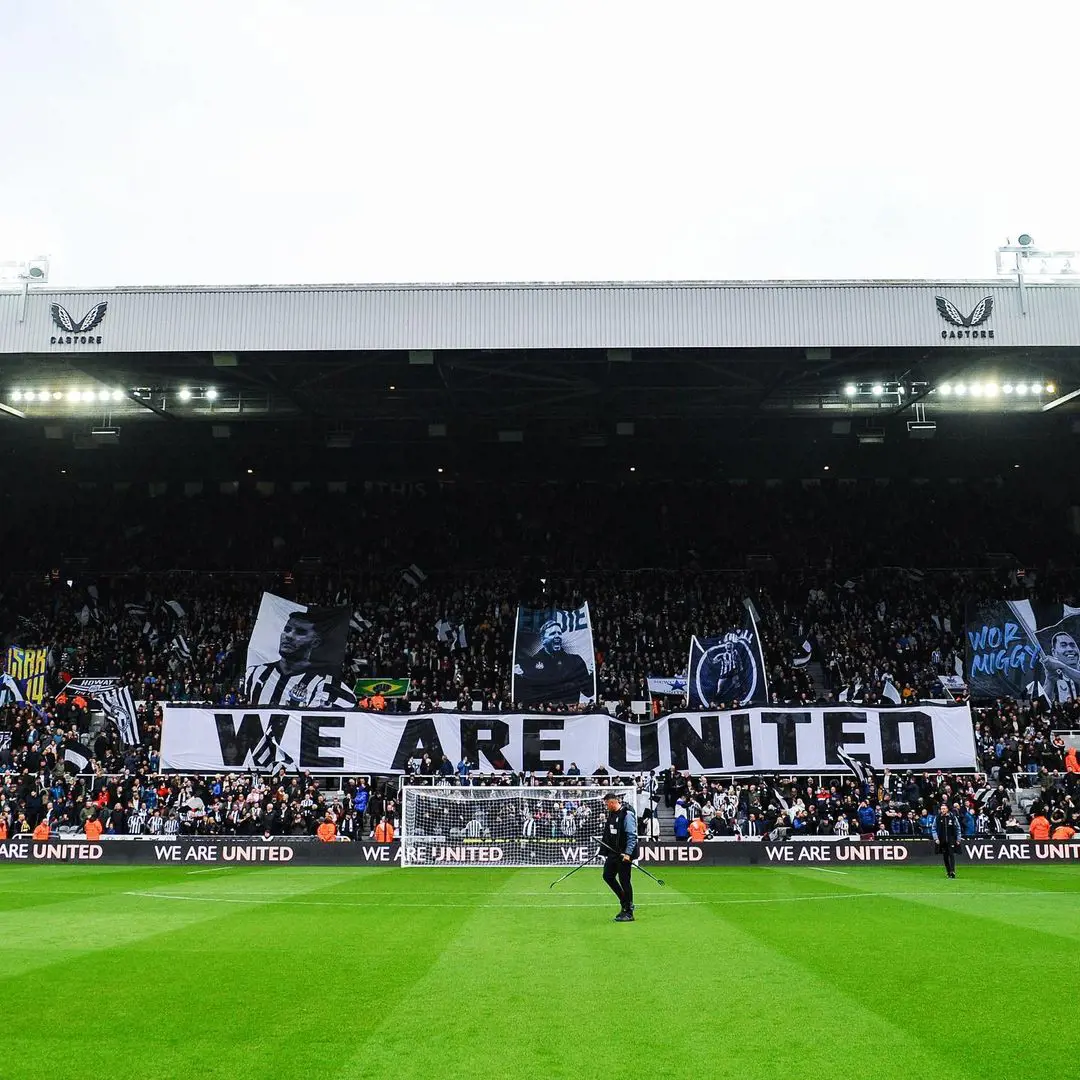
<point x="777" y="740"/>
<point x="1019" y="649"/>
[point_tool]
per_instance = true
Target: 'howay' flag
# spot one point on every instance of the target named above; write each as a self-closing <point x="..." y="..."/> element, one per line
<point x="890" y="691"/>
<point x="459" y="640"/>
<point x="358" y="623"/>
<point x="115" y="701"/>
<point x="863" y="772"/>
<point x="802" y="658"/>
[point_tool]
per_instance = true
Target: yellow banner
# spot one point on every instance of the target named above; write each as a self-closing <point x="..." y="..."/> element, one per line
<point x="27" y="668"/>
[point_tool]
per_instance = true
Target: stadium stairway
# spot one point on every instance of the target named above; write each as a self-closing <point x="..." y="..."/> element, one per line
<point x="817" y="676"/>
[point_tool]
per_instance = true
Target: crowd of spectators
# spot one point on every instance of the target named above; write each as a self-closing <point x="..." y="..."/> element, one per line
<point x="839" y="569"/>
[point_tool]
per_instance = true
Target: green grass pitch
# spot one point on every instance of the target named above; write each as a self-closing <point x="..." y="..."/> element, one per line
<point x="281" y="972"/>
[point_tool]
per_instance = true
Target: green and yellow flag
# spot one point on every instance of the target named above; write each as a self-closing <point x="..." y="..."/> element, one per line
<point x="386" y="687"/>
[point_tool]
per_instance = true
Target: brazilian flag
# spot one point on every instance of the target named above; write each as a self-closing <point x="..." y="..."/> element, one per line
<point x="385" y="687"/>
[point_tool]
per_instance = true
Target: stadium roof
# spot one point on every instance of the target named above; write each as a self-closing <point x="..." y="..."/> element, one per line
<point x="740" y="378"/>
<point x="508" y="316"/>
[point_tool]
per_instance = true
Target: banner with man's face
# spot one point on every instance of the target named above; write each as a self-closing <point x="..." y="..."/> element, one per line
<point x="296" y="654"/>
<point x="554" y="660"/>
<point x="1020" y="649"/>
<point x="728" y="669"/>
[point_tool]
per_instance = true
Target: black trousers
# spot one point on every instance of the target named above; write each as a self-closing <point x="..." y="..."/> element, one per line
<point x="617" y="877"/>
<point x="948" y="855"/>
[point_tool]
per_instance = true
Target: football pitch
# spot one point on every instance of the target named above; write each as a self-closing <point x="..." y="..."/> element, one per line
<point x="741" y="972"/>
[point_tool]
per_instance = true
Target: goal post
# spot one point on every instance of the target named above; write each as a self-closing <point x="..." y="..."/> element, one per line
<point x="503" y="826"/>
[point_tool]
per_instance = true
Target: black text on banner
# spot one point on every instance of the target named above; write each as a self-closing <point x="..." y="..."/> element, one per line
<point x="771" y="740"/>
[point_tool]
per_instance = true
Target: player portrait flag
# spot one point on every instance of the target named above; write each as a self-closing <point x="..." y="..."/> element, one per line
<point x="554" y="661"/>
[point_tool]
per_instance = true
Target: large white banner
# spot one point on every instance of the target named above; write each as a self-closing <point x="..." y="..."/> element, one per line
<point x="778" y="740"/>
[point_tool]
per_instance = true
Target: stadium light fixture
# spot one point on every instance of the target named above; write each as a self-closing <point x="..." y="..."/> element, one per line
<point x="960" y="389"/>
<point x="945" y="389"/>
<point x="1007" y="388"/>
<point x="88" y="396"/>
<point x="43" y="395"/>
<point x="877" y="390"/>
<point x="976" y="389"/>
<point x="1061" y="401"/>
<point x="991" y="389"/>
<point x="1021" y="389"/>
<point x="16" y="395"/>
<point x="851" y="389"/>
<point x="117" y="395"/>
<point x="211" y="394"/>
<point x="185" y="394"/>
<point x="1051" y="388"/>
<point x="103" y="395"/>
<point x="73" y="396"/>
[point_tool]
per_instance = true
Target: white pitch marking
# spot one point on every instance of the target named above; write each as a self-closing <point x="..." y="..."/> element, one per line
<point x="657" y="903"/>
<point x="825" y="870"/>
<point x="211" y="870"/>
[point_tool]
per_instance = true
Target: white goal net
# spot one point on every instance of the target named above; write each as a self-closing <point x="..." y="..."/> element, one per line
<point x="503" y="826"/>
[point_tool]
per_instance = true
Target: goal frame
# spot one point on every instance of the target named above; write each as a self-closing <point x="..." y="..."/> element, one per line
<point x="549" y="850"/>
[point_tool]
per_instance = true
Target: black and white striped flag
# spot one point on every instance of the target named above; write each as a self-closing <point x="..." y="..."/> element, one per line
<point x="358" y="623"/>
<point x="863" y="772"/>
<point x="413" y="576"/>
<point x="115" y="701"/>
<point x="182" y="649"/>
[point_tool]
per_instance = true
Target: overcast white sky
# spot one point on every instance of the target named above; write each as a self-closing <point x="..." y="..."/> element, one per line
<point x="263" y="141"/>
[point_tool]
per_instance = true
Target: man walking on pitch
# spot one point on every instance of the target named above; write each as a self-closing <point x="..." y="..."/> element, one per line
<point x="948" y="838"/>
<point x="618" y="843"/>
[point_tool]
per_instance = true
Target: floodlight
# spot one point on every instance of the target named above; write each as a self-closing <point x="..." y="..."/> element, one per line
<point x="185" y="394"/>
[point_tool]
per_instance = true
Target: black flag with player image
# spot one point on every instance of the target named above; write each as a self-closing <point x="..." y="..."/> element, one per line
<point x="728" y="669"/>
<point x="554" y="661"/>
<point x="296" y="655"/>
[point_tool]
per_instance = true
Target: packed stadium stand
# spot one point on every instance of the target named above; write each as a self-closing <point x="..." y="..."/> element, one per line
<point x="435" y="491"/>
